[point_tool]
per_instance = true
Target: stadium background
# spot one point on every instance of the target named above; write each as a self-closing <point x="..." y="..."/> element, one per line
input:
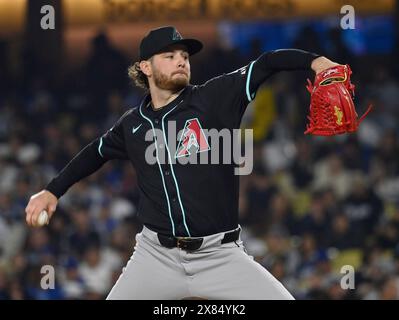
<point x="311" y="205"/>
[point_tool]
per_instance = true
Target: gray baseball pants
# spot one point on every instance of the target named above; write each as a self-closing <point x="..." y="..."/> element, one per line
<point x="215" y="271"/>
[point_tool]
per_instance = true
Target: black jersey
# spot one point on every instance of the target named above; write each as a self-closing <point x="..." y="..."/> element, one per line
<point x="177" y="198"/>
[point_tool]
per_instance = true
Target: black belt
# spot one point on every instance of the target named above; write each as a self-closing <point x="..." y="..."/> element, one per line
<point x="191" y="244"/>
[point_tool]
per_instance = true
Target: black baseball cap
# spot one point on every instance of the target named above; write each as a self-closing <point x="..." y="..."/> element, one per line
<point x="161" y="38"/>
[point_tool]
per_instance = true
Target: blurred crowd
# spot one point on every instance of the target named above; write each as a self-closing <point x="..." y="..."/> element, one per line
<point x="311" y="205"/>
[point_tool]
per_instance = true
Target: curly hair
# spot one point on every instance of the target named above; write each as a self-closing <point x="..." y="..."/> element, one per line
<point x="138" y="77"/>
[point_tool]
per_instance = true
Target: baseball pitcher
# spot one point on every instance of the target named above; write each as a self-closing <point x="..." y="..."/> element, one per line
<point x="190" y="245"/>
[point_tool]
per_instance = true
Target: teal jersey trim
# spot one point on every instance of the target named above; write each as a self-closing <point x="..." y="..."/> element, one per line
<point x="249" y="95"/>
<point x="160" y="170"/>
<point x="99" y="147"/>
<point x="171" y="167"/>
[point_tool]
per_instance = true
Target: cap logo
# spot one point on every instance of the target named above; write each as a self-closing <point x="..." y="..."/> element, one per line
<point x="176" y="35"/>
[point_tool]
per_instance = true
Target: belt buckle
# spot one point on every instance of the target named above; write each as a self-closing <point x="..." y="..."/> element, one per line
<point x="181" y="243"/>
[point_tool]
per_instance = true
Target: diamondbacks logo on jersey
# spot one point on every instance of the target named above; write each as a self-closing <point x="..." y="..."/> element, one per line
<point x="193" y="137"/>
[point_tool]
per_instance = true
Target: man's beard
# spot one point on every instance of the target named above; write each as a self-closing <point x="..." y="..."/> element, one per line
<point x="164" y="82"/>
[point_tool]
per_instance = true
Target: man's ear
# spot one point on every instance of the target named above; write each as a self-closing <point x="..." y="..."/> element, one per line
<point x="145" y="67"/>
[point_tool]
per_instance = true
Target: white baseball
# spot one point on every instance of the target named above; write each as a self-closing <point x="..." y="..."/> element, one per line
<point x="43" y="218"/>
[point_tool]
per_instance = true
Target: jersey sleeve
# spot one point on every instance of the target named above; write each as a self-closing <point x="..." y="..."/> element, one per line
<point x="275" y="61"/>
<point x="232" y="92"/>
<point x="91" y="158"/>
<point x="225" y="96"/>
<point x="111" y="145"/>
